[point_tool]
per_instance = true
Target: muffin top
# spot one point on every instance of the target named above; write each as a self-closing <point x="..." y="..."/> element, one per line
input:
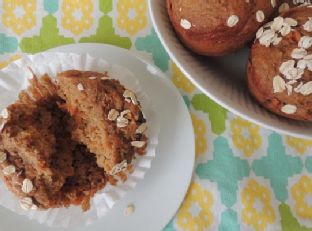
<point x="107" y="117"/>
<point x="280" y="65"/>
<point x="213" y="27"/>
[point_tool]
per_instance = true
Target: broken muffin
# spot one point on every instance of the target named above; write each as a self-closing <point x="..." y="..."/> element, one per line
<point x="61" y="142"/>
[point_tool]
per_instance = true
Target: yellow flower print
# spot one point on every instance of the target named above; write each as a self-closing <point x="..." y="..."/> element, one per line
<point x="132" y="15"/>
<point x="19" y="15"/>
<point x="257" y="211"/>
<point x="245" y="136"/>
<point x="77" y="15"/>
<point x="179" y="79"/>
<point x="300" y="145"/>
<point x="200" y="132"/>
<point x="195" y="213"/>
<point x="302" y="194"/>
<point x="11" y="59"/>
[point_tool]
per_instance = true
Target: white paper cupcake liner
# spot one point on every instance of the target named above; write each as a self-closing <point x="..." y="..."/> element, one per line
<point x="14" y="78"/>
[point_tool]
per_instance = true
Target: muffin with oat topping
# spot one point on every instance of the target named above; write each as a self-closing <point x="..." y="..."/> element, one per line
<point x="280" y="65"/>
<point x="39" y="162"/>
<point x="214" y="28"/>
<point x="107" y="117"/>
<point x="61" y="142"/>
<point x="287" y="4"/>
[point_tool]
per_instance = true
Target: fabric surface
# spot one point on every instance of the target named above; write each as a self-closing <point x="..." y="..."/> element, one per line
<point x="246" y="177"/>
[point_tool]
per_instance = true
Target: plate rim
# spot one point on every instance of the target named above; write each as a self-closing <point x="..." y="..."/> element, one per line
<point x="164" y="77"/>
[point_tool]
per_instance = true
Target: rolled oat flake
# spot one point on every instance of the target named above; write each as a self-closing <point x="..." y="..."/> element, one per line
<point x="9" y="170"/>
<point x="232" y="21"/>
<point x="26" y="203"/>
<point x="27" y="186"/>
<point x="3" y="157"/>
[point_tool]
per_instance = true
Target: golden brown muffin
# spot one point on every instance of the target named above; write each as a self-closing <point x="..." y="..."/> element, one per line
<point x="288" y="4"/>
<point x="280" y="65"/>
<point x="214" y="27"/>
<point x="39" y="162"/>
<point x="107" y="117"/>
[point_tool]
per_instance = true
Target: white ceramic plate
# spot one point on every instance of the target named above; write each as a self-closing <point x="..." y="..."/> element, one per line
<point x="222" y="79"/>
<point x="160" y="194"/>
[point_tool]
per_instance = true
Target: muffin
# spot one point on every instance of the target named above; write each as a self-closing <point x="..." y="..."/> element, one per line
<point x="62" y="141"/>
<point x="287" y="4"/>
<point x="280" y="65"/>
<point x="216" y="28"/>
<point x="107" y="117"/>
<point x="39" y="162"/>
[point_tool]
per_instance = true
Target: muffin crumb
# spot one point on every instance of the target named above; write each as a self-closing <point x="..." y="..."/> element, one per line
<point x="129" y="210"/>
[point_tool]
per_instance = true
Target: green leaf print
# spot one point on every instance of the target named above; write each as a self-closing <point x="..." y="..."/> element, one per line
<point x="48" y="38"/>
<point x="105" y="33"/>
<point x="217" y="114"/>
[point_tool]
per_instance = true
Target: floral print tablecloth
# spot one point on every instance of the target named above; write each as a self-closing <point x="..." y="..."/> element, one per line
<point x="246" y="177"/>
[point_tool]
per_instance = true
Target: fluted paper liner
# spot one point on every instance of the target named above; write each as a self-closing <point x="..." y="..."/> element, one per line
<point x="14" y="78"/>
